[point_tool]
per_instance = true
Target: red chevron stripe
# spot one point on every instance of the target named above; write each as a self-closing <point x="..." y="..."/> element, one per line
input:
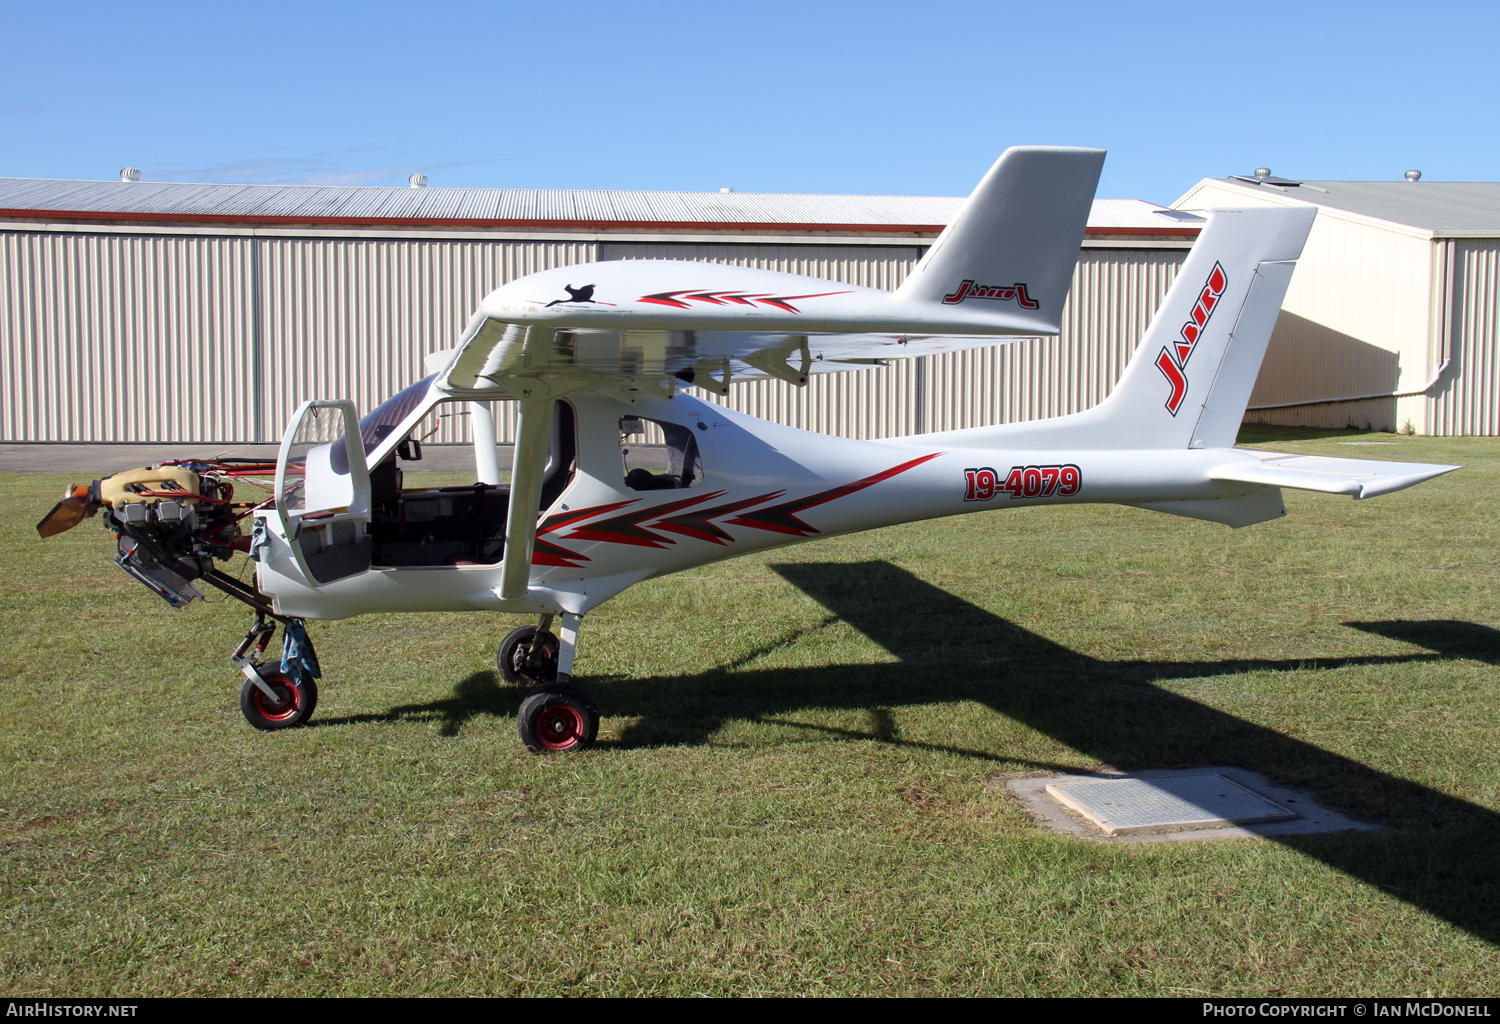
<point x="627" y="529"/>
<point x="782" y="519"/>
<point x="698" y="526"/>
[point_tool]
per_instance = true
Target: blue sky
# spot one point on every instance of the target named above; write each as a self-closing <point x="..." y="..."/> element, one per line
<point x="906" y="98"/>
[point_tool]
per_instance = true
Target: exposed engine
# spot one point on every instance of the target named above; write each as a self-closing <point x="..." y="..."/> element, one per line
<point x="172" y="522"/>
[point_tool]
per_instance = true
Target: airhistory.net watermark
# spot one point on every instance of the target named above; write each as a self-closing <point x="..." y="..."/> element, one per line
<point x="56" y="1009"/>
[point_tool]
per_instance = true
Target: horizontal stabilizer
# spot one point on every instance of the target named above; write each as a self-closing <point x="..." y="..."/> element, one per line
<point x="1359" y="477"/>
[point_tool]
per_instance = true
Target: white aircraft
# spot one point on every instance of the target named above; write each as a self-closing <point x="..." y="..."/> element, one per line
<point x="620" y="475"/>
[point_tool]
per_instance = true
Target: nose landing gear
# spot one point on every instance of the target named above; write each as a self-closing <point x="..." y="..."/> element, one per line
<point x="277" y="694"/>
<point x="292" y="703"/>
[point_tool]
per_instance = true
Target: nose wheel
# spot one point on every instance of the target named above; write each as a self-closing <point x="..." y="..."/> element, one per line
<point x="558" y="717"/>
<point x="289" y="703"/>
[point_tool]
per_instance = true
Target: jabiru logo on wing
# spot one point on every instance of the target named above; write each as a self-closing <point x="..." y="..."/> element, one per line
<point x="1005" y="293"/>
<point x="1173" y="359"/>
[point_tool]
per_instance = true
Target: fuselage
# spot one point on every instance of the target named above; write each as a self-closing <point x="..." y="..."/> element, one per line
<point x="762" y="485"/>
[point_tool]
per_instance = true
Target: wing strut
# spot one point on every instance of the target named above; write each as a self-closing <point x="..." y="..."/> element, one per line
<point x="533" y="431"/>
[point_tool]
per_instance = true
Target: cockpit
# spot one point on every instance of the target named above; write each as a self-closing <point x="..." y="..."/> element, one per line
<point x="455" y="524"/>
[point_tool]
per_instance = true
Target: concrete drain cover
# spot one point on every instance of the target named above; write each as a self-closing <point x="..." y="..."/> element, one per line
<point x="1124" y="807"/>
<point x="1163" y="805"/>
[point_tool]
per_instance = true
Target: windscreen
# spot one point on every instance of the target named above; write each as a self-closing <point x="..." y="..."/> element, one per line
<point x="383" y="421"/>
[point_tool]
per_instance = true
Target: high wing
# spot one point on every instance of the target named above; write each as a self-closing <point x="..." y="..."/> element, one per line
<point x="497" y="351"/>
<point x="999" y="272"/>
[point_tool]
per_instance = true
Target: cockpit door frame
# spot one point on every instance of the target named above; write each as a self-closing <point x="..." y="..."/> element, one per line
<point x="295" y="521"/>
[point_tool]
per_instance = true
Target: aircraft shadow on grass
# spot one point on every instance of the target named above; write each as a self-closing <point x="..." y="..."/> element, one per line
<point x="480" y="693"/>
<point x="1440" y="853"/>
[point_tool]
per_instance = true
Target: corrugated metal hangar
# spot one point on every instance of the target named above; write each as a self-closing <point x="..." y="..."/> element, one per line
<point x="147" y="312"/>
<point x="1392" y="320"/>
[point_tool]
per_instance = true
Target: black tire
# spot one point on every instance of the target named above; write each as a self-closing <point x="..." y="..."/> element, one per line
<point x="512" y="658"/>
<point x="299" y="702"/>
<point x="312" y="702"/>
<point x="559" y="717"/>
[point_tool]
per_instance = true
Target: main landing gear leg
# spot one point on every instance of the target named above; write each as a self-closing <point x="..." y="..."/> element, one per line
<point x="560" y="716"/>
<point x="567" y="645"/>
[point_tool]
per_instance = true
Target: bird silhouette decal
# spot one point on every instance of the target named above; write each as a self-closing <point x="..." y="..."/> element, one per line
<point x="584" y="294"/>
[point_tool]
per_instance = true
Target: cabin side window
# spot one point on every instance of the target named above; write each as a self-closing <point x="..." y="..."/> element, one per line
<point x="658" y="456"/>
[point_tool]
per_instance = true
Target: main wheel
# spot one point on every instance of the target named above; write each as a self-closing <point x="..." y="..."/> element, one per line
<point x="293" y="707"/>
<point x="517" y="665"/>
<point x="559" y="716"/>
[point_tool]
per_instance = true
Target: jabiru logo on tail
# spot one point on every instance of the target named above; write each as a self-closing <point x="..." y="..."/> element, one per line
<point x="1172" y="362"/>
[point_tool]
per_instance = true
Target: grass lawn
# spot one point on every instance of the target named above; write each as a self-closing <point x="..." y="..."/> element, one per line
<point x="799" y="788"/>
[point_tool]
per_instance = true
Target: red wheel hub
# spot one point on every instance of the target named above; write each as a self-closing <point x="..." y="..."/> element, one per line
<point x="560" y="727"/>
<point x="291" y="700"/>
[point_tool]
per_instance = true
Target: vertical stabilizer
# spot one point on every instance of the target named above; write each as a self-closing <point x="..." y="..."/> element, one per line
<point x="1016" y="238"/>
<point x="1190" y="379"/>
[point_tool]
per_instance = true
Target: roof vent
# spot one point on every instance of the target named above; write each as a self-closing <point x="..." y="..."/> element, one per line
<point x="1263" y="176"/>
<point x="726" y="190"/>
<point x="1413" y="175"/>
<point x="417" y="181"/>
<point x="129" y="174"/>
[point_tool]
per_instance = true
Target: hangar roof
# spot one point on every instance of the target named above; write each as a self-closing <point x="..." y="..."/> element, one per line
<point x="35" y="198"/>
<point x="1445" y="208"/>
